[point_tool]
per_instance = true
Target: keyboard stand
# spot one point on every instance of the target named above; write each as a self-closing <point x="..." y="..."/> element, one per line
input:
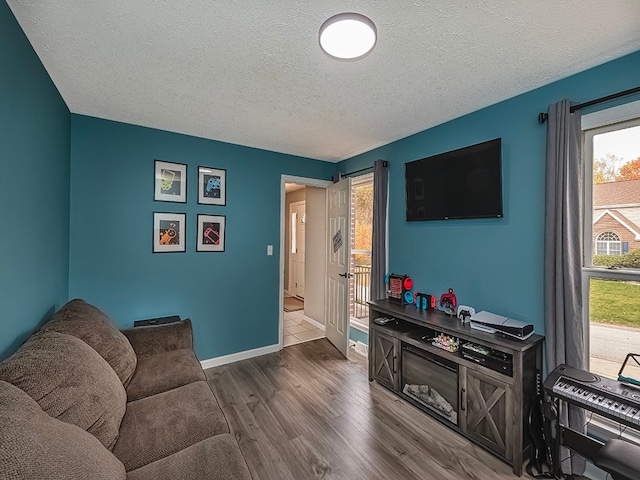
<point x="568" y="386"/>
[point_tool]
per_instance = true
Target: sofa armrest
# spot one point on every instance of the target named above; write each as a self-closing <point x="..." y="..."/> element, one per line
<point x="155" y="339"/>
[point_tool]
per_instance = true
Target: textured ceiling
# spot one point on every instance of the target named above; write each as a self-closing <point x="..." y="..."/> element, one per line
<point x="252" y="73"/>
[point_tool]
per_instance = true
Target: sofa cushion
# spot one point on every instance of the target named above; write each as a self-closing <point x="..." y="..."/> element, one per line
<point x="70" y="382"/>
<point x="89" y="324"/>
<point x="161" y="425"/>
<point x="154" y="339"/>
<point x="33" y="445"/>
<point x="164" y="371"/>
<point x="216" y="458"/>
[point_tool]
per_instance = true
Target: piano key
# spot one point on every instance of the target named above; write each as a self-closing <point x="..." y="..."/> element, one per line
<point x="619" y="413"/>
<point x="600" y="403"/>
<point x="623" y="410"/>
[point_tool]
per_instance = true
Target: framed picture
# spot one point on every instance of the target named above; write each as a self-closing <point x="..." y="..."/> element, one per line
<point x="211" y="233"/>
<point x="212" y="186"/>
<point x="170" y="182"/>
<point x="168" y="232"/>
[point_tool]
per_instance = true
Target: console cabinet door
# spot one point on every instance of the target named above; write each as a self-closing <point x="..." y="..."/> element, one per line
<point x="488" y="411"/>
<point x="385" y="367"/>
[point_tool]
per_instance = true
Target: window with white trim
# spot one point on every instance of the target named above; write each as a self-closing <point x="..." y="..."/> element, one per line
<point x="611" y="268"/>
<point x="361" y="244"/>
<point x="608" y="243"/>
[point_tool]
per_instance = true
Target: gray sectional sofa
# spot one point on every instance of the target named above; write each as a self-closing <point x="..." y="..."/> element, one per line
<point x="82" y="400"/>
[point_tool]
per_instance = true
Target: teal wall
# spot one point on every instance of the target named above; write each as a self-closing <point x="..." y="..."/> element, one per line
<point x="358" y="335"/>
<point x="34" y="161"/>
<point x="231" y="297"/>
<point x="496" y="264"/>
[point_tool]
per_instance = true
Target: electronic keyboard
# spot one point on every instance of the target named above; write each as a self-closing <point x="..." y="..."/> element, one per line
<point x="610" y="398"/>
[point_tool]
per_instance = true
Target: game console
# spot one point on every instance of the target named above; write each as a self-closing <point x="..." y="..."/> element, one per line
<point x="424" y="301"/>
<point x="492" y="323"/>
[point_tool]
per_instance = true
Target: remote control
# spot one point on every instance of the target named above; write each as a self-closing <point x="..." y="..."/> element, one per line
<point x="383" y="320"/>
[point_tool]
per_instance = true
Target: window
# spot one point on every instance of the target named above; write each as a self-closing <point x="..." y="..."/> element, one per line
<point x="608" y="243"/>
<point x="362" y="227"/>
<point x="611" y="270"/>
<point x="294" y="232"/>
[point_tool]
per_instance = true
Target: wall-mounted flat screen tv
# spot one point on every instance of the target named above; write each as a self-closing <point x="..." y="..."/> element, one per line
<point x="463" y="183"/>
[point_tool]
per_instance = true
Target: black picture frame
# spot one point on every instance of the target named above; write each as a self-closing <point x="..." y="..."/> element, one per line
<point x="211" y="233"/>
<point x="170" y="182"/>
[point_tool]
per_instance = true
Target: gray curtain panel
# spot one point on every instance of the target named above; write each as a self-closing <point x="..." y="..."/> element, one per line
<point x="379" y="245"/>
<point x="563" y="239"/>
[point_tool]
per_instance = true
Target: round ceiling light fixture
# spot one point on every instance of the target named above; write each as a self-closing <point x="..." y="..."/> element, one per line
<point x="348" y="36"/>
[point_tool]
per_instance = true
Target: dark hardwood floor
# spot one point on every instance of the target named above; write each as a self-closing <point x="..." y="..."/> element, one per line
<point x="306" y="413"/>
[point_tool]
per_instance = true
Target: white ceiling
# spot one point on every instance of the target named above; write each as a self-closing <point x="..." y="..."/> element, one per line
<point x="252" y="73"/>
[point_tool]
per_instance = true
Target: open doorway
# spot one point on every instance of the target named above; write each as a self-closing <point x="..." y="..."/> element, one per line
<point x="361" y="244"/>
<point x="303" y="260"/>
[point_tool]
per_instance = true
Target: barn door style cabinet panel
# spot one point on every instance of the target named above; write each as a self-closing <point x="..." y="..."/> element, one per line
<point x="385" y="369"/>
<point x="488" y="412"/>
<point x="483" y="389"/>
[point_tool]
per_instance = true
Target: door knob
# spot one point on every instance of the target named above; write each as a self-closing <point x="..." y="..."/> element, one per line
<point x="346" y="275"/>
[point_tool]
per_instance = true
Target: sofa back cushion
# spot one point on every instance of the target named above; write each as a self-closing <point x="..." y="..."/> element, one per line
<point x="70" y="382"/>
<point x="34" y="445"/>
<point x="91" y="325"/>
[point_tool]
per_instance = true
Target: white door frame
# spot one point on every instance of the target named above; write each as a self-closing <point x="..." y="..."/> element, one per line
<point x="311" y="182"/>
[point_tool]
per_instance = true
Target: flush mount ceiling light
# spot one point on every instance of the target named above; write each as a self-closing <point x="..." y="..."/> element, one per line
<point x="348" y="36"/>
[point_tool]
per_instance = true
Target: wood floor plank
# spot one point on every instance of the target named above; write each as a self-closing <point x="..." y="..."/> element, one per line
<point x="307" y="413"/>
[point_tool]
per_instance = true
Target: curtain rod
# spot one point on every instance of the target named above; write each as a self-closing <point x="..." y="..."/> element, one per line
<point x="336" y="178"/>
<point x="542" y="117"/>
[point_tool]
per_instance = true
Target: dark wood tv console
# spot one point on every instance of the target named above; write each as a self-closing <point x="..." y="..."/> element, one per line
<point x="492" y="406"/>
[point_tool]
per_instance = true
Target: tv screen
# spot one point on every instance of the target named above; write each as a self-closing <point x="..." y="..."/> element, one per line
<point x="463" y="183"/>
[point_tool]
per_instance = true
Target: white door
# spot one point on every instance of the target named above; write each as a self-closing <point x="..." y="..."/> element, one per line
<point x="296" y="257"/>
<point x="338" y="255"/>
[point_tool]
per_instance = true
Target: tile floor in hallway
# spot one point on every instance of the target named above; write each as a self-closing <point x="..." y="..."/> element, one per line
<point x="298" y="330"/>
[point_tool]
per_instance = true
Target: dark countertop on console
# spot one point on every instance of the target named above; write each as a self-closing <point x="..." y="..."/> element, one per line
<point x="449" y="325"/>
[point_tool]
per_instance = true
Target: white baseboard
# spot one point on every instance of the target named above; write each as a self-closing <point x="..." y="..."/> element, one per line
<point x="236" y="357"/>
<point x="359" y="347"/>
<point x="315" y="323"/>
